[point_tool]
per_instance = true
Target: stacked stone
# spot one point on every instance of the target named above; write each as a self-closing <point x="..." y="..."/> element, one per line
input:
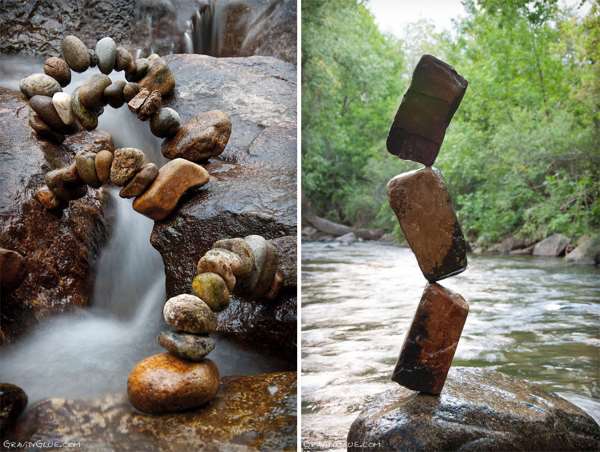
<point x="156" y="191"/>
<point x="183" y="378"/>
<point x="149" y="80"/>
<point x="422" y="204"/>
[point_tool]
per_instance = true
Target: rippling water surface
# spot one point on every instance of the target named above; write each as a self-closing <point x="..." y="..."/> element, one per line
<point x="533" y="318"/>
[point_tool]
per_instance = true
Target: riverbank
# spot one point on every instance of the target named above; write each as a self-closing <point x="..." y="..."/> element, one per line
<point x="532" y="318"/>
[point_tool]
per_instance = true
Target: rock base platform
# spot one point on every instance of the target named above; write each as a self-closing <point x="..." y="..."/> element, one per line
<point x="478" y="410"/>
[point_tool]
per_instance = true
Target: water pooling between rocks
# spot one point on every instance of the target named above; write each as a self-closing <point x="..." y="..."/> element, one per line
<point x="537" y="321"/>
<point x="91" y="352"/>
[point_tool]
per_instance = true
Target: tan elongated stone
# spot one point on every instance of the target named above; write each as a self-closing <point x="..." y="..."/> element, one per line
<point x="431" y="341"/>
<point x="173" y="180"/>
<point x="424" y="209"/>
<point x="427" y="108"/>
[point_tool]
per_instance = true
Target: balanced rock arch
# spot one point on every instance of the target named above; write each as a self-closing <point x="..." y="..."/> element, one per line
<point x="55" y="114"/>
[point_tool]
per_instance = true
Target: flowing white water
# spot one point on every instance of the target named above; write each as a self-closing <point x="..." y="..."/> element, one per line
<point x="91" y="352"/>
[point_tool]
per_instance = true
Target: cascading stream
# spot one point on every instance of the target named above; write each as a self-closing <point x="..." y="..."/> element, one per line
<point x="90" y="352"/>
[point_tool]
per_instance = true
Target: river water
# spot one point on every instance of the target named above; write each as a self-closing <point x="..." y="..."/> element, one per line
<point x="532" y="318"/>
<point x="91" y="352"/>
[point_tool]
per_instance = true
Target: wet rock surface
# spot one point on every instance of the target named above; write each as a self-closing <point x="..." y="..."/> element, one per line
<point x="478" y="410"/>
<point x="424" y="209"/>
<point x="252" y="188"/>
<point x="586" y="252"/>
<point x="58" y="249"/>
<point x="552" y="246"/>
<point x="186" y="346"/>
<point x="13" y="401"/>
<point x="254" y="411"/>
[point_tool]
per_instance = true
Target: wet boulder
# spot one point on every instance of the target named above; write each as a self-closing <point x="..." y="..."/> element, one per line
<point x="233" y="420"/>
<point x="252" y="188"/>
<point x="13" y="401"/>
<point x="58" y="249"/>
<point x="586" y="252"/>
<point x="552" y="246"/>
<point x="478" y="410"/>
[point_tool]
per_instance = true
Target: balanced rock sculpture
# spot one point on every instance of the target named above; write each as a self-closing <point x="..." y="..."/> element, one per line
<point x="57" y="114"/>
<point x="424" y="209"/>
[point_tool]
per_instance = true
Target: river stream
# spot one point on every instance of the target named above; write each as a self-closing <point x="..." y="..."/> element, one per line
<point x="532" y="318"/>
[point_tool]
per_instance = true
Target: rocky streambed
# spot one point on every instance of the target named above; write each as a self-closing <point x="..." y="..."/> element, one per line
<point x="251" y="191"/>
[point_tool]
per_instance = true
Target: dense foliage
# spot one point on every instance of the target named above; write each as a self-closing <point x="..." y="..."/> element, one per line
<point x="522" y="155"/>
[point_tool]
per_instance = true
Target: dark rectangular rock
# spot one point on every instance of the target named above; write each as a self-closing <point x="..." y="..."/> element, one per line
<point x="424" y="209"/>
<point x="427" y="108"/>
<point x="430" y="344"/>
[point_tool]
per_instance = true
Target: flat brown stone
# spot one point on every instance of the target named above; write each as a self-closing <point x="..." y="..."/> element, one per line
<point x="424" y="209"/>
<point x="173" y="180"/>
<point x="430" y="344"/>
<point x="427" y="108"/>
<point x="138" y="100"/>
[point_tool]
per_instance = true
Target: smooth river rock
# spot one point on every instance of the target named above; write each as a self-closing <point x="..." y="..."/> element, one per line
<point x="43" y="130"/>
<point x="239" y="246"/>
<point x="103" y="163"/>
<point x="75" y="53"/>
<point x="87" y="118"/>
<point x="479" y="410"/>
<point x="166" y="384"/>
<point x="191" y="347"/>
<point x="44" y="107"/>
<point x="39" y="85"/>
<point x="165" y="123"/>
<point x="158" y="77"/>
<point x="62" y="104"/>
<point x="431" y="341"/>
<point x="140" y="182"/>
<point x="248" y="413"/>
<point x="126" y="163"/>
<point x="13" y="401"/>
<point x="106" y="51"/>
<point x="427" y="108"/>
<point x="58" y="69"/>
<point x="424" y="209"/>
<point x="252" y="188"/>
<point x="86" y="168"/>
<point x="113" y="93"/>
<point x="587" y="251"/>
<point x="123" y="59"/>
<point x="59" y="250"/>
<point x="202" y="137"/>
<point x="91" y="93"/>
<point x="221" y="262"/>
<point x="173" y="180"/>
<point x="130" y="91"/>
<point x="189" y="314"/>
<point x="212" y="289"/>
<point x="12" y="268"/>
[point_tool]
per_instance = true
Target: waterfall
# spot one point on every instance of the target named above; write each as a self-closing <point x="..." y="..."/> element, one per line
<point x="91" y="351"/>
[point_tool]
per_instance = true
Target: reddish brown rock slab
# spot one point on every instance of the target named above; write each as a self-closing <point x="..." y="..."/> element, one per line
<point x="424" y="209"/>
<point x="427" y="108"/>
<point x="255" y="412"/>
<point x="164" y="383"/>
<point x="173" y="180"/>
<point x="431" y="341"/>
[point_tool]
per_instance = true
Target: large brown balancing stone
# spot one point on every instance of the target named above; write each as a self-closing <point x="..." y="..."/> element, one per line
<point x="426" y="110"/>
<point x="424" y="209"/>
<point x="430" y="344"/>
